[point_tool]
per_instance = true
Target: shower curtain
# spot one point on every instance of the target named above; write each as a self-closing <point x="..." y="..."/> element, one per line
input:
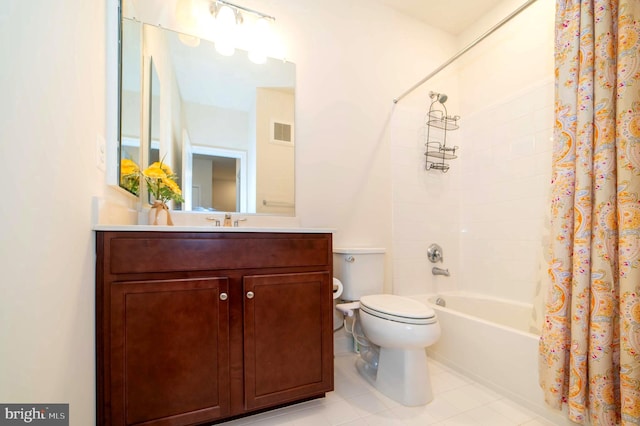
<point x="590" y="341"/>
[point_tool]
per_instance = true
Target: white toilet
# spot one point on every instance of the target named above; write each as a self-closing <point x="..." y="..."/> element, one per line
<point x="398" y="329"/>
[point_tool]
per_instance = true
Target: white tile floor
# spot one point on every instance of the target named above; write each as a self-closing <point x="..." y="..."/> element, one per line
<point x="458" y="402"/>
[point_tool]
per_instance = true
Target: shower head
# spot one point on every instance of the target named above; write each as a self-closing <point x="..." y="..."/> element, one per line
<point x="440" y="97"/>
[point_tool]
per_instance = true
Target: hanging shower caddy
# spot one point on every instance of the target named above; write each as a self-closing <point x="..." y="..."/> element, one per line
<point x="437" y="152"/>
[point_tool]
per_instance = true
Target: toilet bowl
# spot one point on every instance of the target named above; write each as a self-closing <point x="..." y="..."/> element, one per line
<point x="401" y="329"/>
<point x="398" y="322"/>
<point x="396" y="329"/>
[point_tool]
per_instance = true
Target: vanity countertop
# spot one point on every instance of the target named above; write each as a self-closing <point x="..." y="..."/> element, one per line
<point x="156" y="228"/>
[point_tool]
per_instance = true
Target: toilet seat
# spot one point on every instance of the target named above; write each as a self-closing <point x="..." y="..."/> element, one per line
<point x="397" y="308"/>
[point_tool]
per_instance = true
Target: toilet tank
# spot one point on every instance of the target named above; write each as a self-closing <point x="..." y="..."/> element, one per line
<point x="361" y="271"/>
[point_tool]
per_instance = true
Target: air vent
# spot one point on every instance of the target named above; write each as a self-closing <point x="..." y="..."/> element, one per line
<point x="282" y="133"/>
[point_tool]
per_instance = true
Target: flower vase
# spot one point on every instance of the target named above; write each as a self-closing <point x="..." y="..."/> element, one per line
<point x="159" y="214"/>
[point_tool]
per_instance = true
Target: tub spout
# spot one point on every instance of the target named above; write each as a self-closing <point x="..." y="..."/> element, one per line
<point x="440" y="271"/>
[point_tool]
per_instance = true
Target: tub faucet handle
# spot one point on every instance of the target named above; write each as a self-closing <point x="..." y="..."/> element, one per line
<point x="434" y="253"/>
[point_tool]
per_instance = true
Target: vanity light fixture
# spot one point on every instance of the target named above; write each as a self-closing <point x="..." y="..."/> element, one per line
<point x="216" y="4"/>
<point x="229" y="17"/>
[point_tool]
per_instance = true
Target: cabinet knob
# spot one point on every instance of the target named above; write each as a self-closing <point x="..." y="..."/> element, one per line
<point x="223" y="296"/>
<point x="250" y="295"/>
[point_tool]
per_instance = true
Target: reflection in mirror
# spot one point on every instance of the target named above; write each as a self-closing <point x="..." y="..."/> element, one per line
<point x="153" y="145"/>
<point x="154" y="115"/>
<point x="228" y="104"/>
<point x="215" y="177"/>
<point x="161" y="111"/>
<point x="130" y="106"/>
<point x="232" y="104"/>
<point x="218" y="180"/>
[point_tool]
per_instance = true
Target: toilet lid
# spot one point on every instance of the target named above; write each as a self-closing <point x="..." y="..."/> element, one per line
<point x="397" y="308"/>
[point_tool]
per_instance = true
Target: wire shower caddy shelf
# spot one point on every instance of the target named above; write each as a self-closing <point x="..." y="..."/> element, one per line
<point x="437" y="152"/>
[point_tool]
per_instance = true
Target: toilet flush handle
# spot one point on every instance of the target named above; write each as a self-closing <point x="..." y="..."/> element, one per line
<point x="349" y="259"/>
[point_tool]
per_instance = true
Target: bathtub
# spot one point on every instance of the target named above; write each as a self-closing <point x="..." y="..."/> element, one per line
<point x="488" y="340"/>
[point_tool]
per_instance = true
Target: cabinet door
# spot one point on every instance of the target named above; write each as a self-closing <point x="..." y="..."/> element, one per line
<point x="169" y="351"/>
<point x="288" y="337"/>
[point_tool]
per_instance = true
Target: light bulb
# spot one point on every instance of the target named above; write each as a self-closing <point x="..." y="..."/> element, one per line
<point x="225" y="24"/>
<point x="226" y="17"/>
<point x="260" y="40"/>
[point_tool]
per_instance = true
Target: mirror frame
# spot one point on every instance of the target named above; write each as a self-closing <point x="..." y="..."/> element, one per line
<point x="113" y="86"/>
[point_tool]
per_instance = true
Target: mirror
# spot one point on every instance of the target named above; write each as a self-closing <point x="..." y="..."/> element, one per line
<point x="154" y="115"/>
<point x="130" y="106"/>
<point x="224" y="124"/>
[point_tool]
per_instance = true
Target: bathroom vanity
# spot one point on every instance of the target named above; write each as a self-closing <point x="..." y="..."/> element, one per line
<point x="197" y="327"/>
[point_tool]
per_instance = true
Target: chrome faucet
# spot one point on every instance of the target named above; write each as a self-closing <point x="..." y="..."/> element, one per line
<point x="214" y="219"/>
<point x="440" y="271"/>
<point x="227" y="220"/>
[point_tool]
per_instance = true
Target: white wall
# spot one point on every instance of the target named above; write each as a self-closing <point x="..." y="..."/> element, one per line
<point x="488" y="211"/>
<point x="352" y="60"/>
<point x="217" y="127"/>
<point x="53" y="87"/>
<point x="275" y="171"/>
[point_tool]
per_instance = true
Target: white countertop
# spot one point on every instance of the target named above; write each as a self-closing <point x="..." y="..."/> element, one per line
<point x="156" y="228"/>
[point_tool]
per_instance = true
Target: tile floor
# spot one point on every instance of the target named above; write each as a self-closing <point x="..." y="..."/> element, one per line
<point x="458" y="401"/>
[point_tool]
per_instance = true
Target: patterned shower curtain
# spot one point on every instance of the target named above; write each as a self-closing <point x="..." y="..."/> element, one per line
<point x="590" y="341"/>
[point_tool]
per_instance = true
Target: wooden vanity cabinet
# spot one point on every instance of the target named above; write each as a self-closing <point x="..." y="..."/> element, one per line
<point x="193" y="328"/>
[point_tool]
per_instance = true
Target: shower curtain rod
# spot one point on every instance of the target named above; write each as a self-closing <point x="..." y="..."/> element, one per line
<point x="466" y="49"/>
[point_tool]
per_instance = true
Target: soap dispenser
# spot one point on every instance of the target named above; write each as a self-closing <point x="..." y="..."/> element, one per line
<point x="227" y="219"/>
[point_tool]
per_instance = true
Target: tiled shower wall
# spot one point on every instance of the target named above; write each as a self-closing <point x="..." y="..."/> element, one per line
<point x="505" y="175"/>
<point x="425" y="205"/>
<point x="489" y="210"/>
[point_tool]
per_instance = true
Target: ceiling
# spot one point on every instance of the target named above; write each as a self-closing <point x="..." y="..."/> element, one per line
<point x="444" y="14"/>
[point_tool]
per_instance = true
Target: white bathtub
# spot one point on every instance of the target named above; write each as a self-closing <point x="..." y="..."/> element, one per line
<point x="487" y="339"/>
<point x="502" y="312"/>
